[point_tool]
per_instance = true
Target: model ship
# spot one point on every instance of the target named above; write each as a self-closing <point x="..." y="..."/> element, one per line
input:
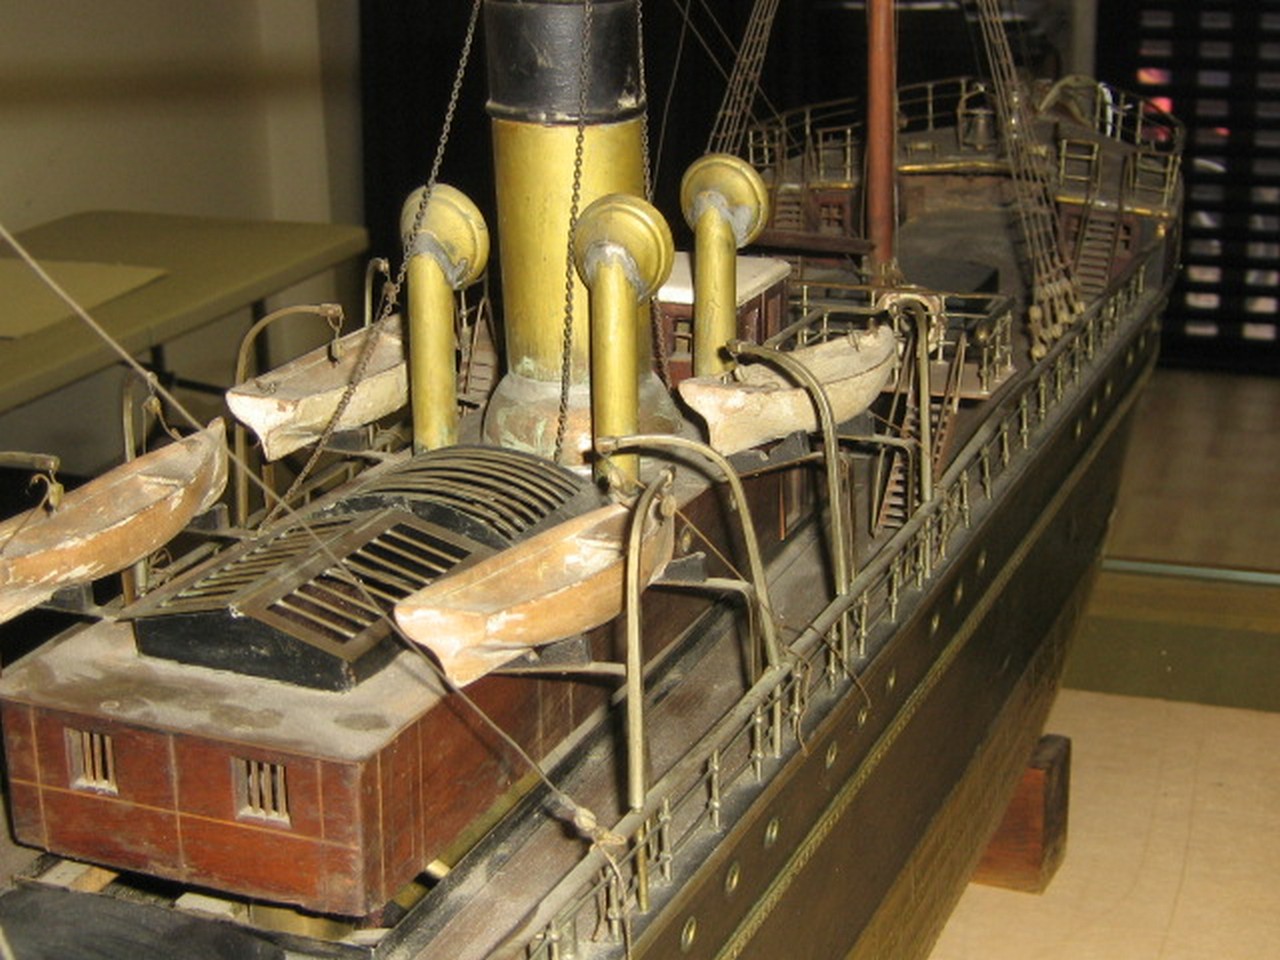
<point x="725" y="677"/>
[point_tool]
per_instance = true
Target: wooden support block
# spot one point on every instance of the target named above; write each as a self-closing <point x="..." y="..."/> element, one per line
<point x="1028" y="846"/>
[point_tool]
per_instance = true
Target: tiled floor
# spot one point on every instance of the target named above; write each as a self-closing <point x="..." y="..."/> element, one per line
<point x="1173" y="849"/>
<point x="1202" y="480"/>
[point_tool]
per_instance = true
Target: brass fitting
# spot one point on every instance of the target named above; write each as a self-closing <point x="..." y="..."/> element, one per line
<point x="448" y="245"/>
<point x="726" y="202"/>
<point x="623" y="251"/>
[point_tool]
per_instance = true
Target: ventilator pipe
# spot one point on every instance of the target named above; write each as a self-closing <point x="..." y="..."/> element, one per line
<point x="623" y="251"/>
<point x="726" y="202"/>
<point x="448" y="248"/>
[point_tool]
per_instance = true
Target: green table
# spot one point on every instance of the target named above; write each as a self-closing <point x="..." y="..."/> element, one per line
<point x="212" y="268"/>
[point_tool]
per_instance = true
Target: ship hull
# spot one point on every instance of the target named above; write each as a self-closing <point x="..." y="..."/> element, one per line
<point x="857" y="837"/>
<point x="872" y="851"/>
<point x="858" y="842"/>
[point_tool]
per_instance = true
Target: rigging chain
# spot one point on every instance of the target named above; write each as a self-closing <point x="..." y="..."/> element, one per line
<point x="566" y="350"/>
<point x="392" y="290"/>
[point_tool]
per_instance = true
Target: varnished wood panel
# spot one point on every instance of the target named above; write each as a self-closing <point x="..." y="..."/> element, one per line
<point x="464" y="753"/>
<point x="555" y="713"/>
<point x="143" y="770"/>
<point x="19" y="742"/>
<point x="243" y="858"/>
<point x="25" y="813"/>
<point x="400" y="772"/>
<point x="141" y="758"/>
<point x="339" y="801"/>
<point x="369" y="809"/>
<point x="123" y="834"/>
<point x="208" y="787"/>
<point x="51" y="747"/>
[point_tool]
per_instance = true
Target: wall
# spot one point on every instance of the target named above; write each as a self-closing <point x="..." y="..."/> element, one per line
<point x="247" y="109"/>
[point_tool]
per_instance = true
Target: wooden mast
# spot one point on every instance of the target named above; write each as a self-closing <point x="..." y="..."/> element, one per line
<point x="882" y="73"/>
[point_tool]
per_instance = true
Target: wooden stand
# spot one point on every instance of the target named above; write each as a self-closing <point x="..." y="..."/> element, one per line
<point x="1028" y="846"/>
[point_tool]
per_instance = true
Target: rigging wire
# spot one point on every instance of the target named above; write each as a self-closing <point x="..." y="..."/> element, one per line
<point x="582" y="819"/>
<point x="671" y="85"/>
<point x="392" y="289"/>
<point x="759" y="91"/>
<point x="702" y="40"/>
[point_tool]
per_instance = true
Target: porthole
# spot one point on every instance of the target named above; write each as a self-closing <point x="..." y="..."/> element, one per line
<point x="689" y="934"/>
<point x="771" y="831"/>
<point x="732" y="878"/>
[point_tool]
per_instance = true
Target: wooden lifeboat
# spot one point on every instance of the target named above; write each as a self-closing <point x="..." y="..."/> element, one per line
<point x="289" y="407"/>
<point x="554" y="585"/>
<point x="756" y="403"/>
<point x="111" y="522"/>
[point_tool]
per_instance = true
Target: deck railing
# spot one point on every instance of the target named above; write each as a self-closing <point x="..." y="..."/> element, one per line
<point x="819" y="143"/>
<point x="685" y="810"/>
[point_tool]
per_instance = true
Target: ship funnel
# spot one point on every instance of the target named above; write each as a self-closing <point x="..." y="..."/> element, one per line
<point x="559" y="145"/>
<point x="448" y="248"/>
<point x="726" y="202"/>
<point x="623" y="251"/>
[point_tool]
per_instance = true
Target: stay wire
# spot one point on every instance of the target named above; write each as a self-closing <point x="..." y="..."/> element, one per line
<point x="391" y="293"/>
<point x="580" y="815"/>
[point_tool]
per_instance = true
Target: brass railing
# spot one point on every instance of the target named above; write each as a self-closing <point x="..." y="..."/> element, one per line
<point x="587" y="914"/>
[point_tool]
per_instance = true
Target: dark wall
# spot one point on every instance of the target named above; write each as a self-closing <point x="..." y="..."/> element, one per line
<point x="409" y="56"/>
<point x="410" y="51"/>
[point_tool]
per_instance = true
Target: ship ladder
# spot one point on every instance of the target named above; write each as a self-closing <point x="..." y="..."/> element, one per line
<point x="735" y="109"/>
<point x="1054" y="291"/>
<point x="1096" y="250"/>
<point x="478" y="365"/>
<point x="944" y="410"/>
<point x="895" y="482"/>
<point x="1078" y="165"/>
<point x="788" y="209"/>
<point x="1152" y="178"/>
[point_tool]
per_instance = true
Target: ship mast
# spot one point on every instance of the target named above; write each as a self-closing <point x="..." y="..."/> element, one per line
<point x="882" y="71"/>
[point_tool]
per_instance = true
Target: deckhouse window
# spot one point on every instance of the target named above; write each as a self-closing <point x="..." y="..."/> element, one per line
<point x="93" y="762"/>
<point x="262" y="790"/>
